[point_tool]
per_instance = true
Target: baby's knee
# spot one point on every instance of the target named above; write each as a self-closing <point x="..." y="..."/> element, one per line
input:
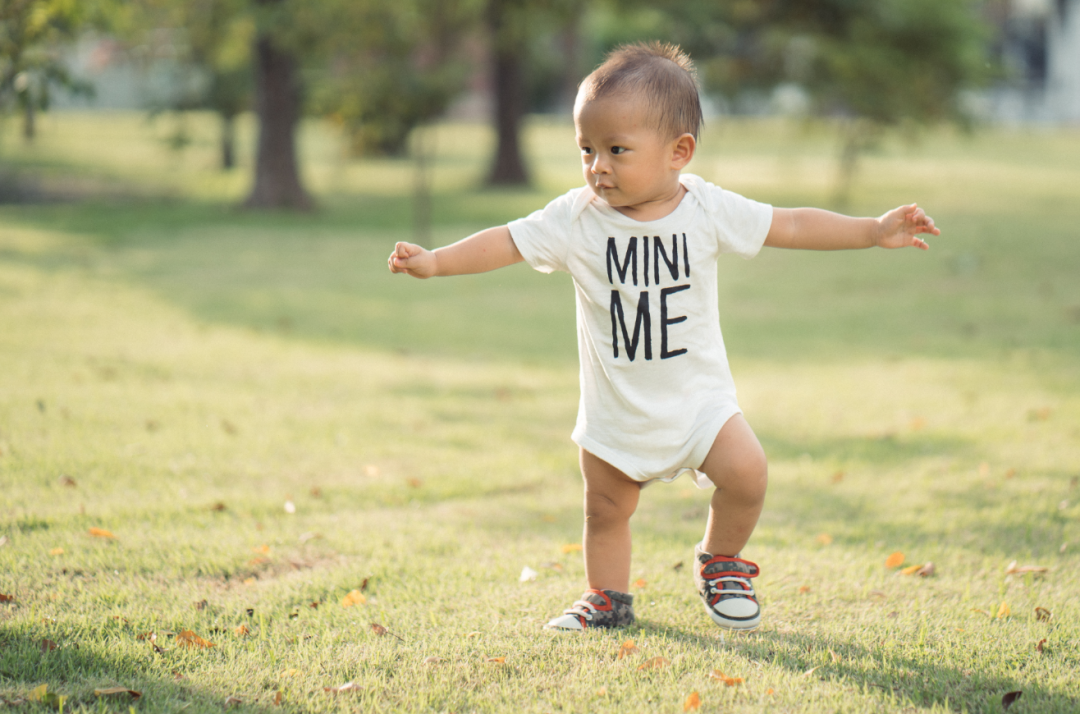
<point x="746" y="476"/>
<point x="603" y="509"/>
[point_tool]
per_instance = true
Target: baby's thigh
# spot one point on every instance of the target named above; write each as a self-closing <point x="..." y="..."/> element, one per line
<point x="736" y="461"/>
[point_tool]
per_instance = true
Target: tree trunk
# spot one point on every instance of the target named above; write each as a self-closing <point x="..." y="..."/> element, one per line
<point x="277" y="104"/>
<point x="508" y="63"/>
<point x="228" y="142"/>
<point x="29" y="118"/>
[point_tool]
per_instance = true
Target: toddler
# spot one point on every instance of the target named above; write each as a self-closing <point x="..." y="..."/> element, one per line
<point x="641" y="241"/>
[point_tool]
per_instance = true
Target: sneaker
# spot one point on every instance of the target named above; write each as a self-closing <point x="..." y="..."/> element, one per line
<point x="596" y="608"/>
<point x="724" y="586"/>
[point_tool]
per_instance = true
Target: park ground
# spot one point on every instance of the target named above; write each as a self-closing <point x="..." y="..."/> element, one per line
<point x="242" y="466"/>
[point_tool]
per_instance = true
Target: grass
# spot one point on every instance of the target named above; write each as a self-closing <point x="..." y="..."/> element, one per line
<point x="175" y="372"/>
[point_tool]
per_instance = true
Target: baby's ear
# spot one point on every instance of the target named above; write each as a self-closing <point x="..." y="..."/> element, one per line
<point x="682" y="151"/>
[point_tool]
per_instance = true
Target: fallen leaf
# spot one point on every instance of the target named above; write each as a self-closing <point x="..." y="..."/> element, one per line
<point x="187" y="638"/>
<point x="926" y="571"/>
<point x="557" y="567"/>
<point x="824" y="538"/>
<point x="291" y="672"/>
<point x="315" y="605"/>
<point x="835" y="657"/>
<point x="100" y="533"/>
<point x="677" y="566"/>
<point x="496" y="660"/>
<point x="721" y="677"/>
<point x="770" y="691"/>
<point x="981" y="611"/>
<point x="42" y="694"/>
<point x="264" y="549"/>
<point x="984" y="469"/>
<point x="692" y="703"/>
<point x="146" y="636"/>
<point x="117" y="690"/>
<point x="1014" y="569"/>
<point x="229" y="427"/>
<point x="378" y="629"/>
<point x="1009" y="473"/>
<point x="917" y="423"/>
<point x="433" y="660"/>
<point x="242" y="631"/>
<point x="527" y="574"/>
<point x="414" y="483"/>
<point x="1040" y="414"/>
<point x="837" y="477"/>
<point x="571" y="548"/>
<point x="48" y="645"/>
<point x="219" y="506"/>
<point x="258" y="561"/>
<point x="1042" y="614"/>
<point x="1040" y="645"/>
<point x="548" y="518"/>
<point x="471" y="635"/>
<point x="56" y="551"/>
<point x="249" y="581"/>
<point x="348" y="686"/>
<point x="912" y="569"/>
<point x="895" y="560"/>
<point x="1003" y="611"/>
<point x="810" y="671"/>
<point x="278" y="697"/>
<point x="233" y="701"/>
<point x="803" y="589"/>
<point x="364" y="584"/>
<point x="878" y="593"/>
<point x="628" y="648"/>
<point x="353" y="598"/>
<point x="7" y="598"/>
<point x="202" y="605"/>
<point x="639" y="583"/>
<point x="67" y="481"/>
<point x="655" y="663"/>
<point x="601" y="692"/>
<point x="1008" y="699"/>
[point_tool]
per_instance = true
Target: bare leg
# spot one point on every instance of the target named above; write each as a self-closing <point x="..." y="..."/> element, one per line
<point x="736" y="465"/>
<point x="611" y="497"/>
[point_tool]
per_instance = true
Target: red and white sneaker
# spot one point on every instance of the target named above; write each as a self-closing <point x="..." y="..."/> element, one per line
<point x="596" y="608"/>
<point x="725" y="587"/>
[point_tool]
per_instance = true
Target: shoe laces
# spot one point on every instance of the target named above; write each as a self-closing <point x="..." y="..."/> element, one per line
<point x="742" y="580"/>
<point x="581" y="608"/>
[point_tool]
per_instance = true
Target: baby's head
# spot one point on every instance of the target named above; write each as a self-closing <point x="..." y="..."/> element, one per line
<point x="637" y="119"/>
<point x="660" y="78"/>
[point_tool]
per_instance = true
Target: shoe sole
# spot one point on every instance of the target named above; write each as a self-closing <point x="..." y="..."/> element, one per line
<point x="729" y="624"/>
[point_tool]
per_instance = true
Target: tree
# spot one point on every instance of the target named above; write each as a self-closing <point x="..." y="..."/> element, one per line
<point x="31" y="35"/>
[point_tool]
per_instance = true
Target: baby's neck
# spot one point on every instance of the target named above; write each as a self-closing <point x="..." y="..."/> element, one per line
<point x="655" y="209"/>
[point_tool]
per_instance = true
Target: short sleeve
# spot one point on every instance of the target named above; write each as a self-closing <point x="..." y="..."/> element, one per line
<point x="740" y="224"/>
<point x="543" y="237"/>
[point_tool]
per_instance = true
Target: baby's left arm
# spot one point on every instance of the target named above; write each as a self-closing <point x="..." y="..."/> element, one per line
<point x="817" y="229"/>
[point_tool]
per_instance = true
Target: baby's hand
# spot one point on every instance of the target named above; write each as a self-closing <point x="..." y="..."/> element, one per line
<point x="412" y="260"/>
<point x="900" y="228"/>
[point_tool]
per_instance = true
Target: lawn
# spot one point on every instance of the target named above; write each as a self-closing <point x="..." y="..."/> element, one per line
<point x="241" y="426"/>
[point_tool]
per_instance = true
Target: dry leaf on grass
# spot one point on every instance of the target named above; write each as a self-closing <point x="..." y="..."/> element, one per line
<point x="353" y="598"/>
<point x="264" y="549"/>
<point x="1014" y="569"/>
<point x="100" y="533"/>
<point x="233" y="701"/>
<point x="1008" y="700"/>
<point x="692" y="703"/>
<point x="721" y="677"/>
<point x="835" y="657"/>
<point x="67" y="481"/>
<point x="277" y="697"/>
<point x="347" y="687"/>
<point x="433" y="660"/>
<point x="7" y="598"/>
<point x="1040" y="645"/>
<point x="496" y="660"/>
<point x="42" y="694"/>
<point x="1043" y="615"/>
<point x="242" y="631"/>
<point x="56" y="551"/>
<point x="117" y="690"/>
<point x="1004" y="611"/>
<point x="48" y="645"/>
<point x="927" y="570"/>
<point x="640" y="583"/>
<point x="654" y="663"/>
<point x="810" y="671"/>
<point x="628" y="648"/>
<point x="911" y="569"/>
<point x="803" y="589"/>
<point x="601" y="692"/>
<point x="895" y="560"/>
<point x="981" y="611"/>
<point x="571" y="548"/>
<point x="187" y="638"/>
<point x="824" y="538"/>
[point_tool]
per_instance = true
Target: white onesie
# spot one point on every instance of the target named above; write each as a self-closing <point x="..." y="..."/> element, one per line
<point x="655" y="383"/>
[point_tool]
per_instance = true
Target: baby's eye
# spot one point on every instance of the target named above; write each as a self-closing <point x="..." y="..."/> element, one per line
<point x="618" y="149"/>
<point x="586" y="150"/>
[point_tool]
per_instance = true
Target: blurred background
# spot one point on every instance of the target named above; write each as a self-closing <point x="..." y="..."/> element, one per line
<point x="369" y="79"/>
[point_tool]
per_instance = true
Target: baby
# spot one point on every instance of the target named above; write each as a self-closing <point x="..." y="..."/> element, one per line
<point x="641" y="242"/>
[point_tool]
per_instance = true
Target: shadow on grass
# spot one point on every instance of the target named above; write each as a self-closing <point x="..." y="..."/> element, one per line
<point x="921" y="682"/>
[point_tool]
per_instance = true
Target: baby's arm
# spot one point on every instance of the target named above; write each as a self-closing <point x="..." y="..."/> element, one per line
<point x="816" y="229"/>
<point x="487" y="250"/>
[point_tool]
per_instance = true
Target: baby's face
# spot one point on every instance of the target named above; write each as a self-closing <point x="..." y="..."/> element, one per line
<point x="626" y="162"/>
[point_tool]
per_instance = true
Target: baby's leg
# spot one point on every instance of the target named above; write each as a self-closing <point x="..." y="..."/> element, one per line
<point x="611" y="497"/>
<point x="736" y="466"/>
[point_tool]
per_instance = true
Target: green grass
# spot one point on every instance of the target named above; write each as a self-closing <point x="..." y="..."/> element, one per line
<point x="190" y="368"/>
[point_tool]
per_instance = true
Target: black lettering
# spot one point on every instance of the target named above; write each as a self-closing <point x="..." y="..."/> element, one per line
<point x="618" y="319"/>
<point x="645" y="257"/>
<point x="685" y="256"/>
<point x="628" y="261"/>
<point x="659" y="252"/>
<point x="665" y="321"/>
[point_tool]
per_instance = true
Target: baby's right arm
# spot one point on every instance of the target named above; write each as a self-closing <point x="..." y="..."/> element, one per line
<point x="487" y="250"/>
